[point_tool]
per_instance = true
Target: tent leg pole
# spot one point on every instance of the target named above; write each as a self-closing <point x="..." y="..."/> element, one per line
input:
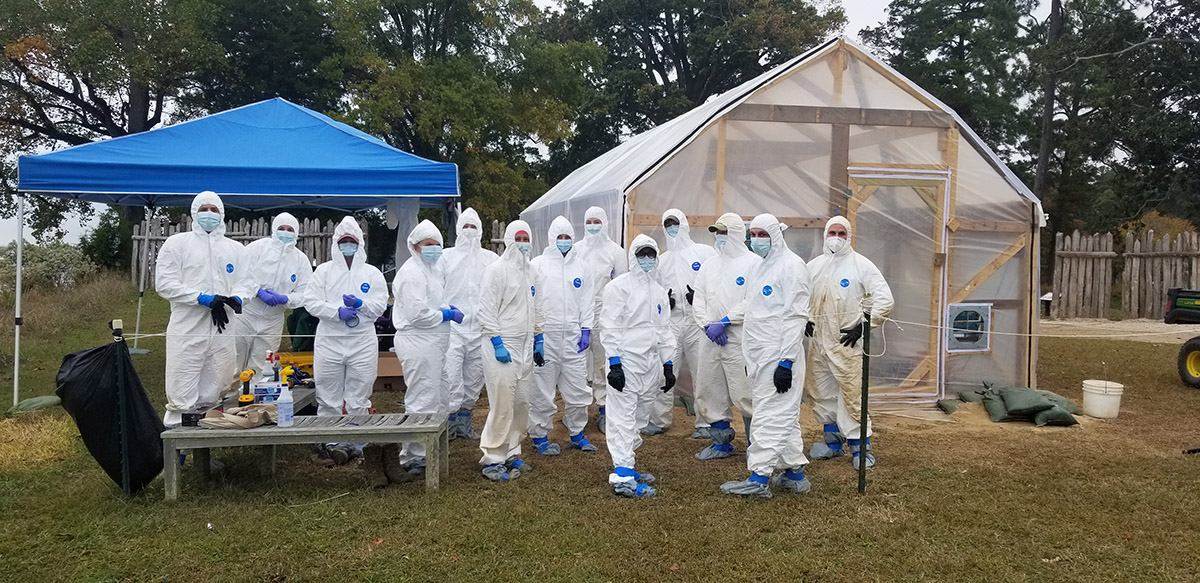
<point x="862" y="414"/>
<point x="17" y="306"/>
<point x="137" y="327"/>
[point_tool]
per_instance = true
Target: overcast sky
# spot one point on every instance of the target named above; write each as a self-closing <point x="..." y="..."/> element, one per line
<point x="860" y="14"/>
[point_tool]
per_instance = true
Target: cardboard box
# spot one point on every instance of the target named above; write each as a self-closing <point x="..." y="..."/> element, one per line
<point x="391" y="374"/>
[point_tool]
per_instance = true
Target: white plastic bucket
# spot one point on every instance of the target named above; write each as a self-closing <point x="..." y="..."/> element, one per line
<point x="1102" y="398"/>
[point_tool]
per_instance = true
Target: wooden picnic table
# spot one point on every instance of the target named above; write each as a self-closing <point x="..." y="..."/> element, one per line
<point x="386" y="428"/>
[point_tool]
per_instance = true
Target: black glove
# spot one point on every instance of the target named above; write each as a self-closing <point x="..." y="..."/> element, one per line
<point x="538" y="359"/>
<point x="691" y="293"/>
<point x="669" y="373"/>
<point x="671" y="298"/>
<point x="219" y="318"/>
<point x="854" y="333"/>
<point x="783" y="379"/>
<point x="809" y="329"/>
<point x="616" y="377"/>
<point x="234" y="303"/>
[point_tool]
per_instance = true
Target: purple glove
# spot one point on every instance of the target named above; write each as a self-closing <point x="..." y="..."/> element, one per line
<point x="351" y="301"/>
<point x="585" y="340"/>
<point x="722" y="339"/>
<point x="271" y="298"/>
<point x="347" y="314"/>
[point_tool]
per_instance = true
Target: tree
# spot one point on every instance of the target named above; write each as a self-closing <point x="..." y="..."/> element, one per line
<point x="77" y="70"/>
<point x="967" y="53"/>
<point x="665" y="57"/>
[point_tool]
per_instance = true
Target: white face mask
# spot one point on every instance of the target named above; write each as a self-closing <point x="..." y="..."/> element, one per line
<point x="471" y="234"/>
<point x="834" y="244"/>
<point x="720" y="240"/>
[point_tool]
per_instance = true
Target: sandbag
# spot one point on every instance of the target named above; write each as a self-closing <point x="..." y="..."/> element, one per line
<point x="998" y="412"/>
<point x="90" y="383"/>
<point x="970" y="396"/>
<point x="34" y="404"/>
<point x="1024" y="401"/>
<point x="948" y="406"/>
<point x="1062" y="402"/>
<point x="1056" y="416"/>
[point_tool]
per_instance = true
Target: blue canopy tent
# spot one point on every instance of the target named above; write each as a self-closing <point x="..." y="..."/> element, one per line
<point x="267" y="155"/>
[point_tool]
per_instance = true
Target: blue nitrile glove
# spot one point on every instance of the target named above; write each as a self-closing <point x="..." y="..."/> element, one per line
<point x="501" y="352"/>
<point x="585" y="340"/>
<point x="351" y="301"/>
<point x="347" y="314"/>
<point x="452" y="314"/>
<point x="205" y="300"/>
<point x="539" y="350"/>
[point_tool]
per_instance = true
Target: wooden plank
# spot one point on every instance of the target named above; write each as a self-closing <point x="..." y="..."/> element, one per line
<point x="1087" y="299"/>
<point x="703" y="221"/>
<point x="1076" y="277"/>
<point x="1135" y="279"/>
<point x="815" y="114"/>
<point x="889" y="168"/>
<point x="889" y="75"/>
<point x="719" y="207"/>
<point x="987" y="270"/>
<point x="839" y="161"/>
<point x="991" y="226"/>
<point x="1125" y="264"/>
<point x="1056" y="279"/>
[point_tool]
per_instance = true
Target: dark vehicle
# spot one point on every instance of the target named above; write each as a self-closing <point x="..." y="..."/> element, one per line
<point x="1183" y="307"/>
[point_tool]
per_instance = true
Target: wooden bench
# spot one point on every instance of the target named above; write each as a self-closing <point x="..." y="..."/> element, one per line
<point x="390" y="428"/>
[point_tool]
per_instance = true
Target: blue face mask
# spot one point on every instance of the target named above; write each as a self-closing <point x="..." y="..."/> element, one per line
<point x="431" y="253"/>
<point x="285" y="237"/>
<point x="564" y="245"/>
<point x="523" y="248"/>
<point x="760" y="245"/>
<point x="647" y="263"/>
<point x="672" y="231"/>
<point x="593" y="228"/>
<point x="348" y="249"/>
<point x="209" y="221"/>
<point x="721" y="240"/>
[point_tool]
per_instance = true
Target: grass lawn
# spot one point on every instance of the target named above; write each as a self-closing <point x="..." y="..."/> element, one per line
<point x="1110" y="500"/>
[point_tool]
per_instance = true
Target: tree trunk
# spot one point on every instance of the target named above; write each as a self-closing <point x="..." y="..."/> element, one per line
<point x="1049" y="85"/>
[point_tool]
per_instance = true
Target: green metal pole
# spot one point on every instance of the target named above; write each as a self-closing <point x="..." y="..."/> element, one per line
<point x="862" y="417"/>
<point x="123" y="406"/>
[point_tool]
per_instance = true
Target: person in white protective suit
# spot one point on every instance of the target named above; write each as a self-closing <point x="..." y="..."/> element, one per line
<point x="847" y="290"/>
<point x="199" y="273"/>
<point x="347" y="295"/>
<point x="607" y="260"/>
<point x="722" y="385"/>
<point x="565" y="310"/>
<point x="277" y="273"/>
<point x="422" y="317"/>
<point x="773" y="316"/>
<point x="639" y="343"/>
<point x="681" y="265"/>
<point x="464" y="264"/>
<point x="506" y="319"/>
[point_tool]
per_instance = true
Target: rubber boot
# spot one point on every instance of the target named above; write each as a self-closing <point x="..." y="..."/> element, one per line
<point x="391" y="465"/>
<point x="373" y="466"/>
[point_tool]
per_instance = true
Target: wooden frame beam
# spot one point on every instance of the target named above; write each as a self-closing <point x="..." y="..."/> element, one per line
<point x="703" y="221"/>
<point x="862" y="116"/>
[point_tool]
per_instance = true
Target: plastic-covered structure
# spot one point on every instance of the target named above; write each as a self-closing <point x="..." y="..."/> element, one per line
<point x="837" y="131"/>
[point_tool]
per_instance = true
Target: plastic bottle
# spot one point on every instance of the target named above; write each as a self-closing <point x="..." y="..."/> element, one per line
<point x="283" y="408"/>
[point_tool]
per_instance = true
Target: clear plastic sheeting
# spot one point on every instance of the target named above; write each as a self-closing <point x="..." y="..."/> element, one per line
<point x="835" y="131"/>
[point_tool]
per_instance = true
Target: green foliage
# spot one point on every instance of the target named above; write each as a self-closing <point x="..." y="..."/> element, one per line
<point x="110" y="244"/>
<point x="49" y="266"/>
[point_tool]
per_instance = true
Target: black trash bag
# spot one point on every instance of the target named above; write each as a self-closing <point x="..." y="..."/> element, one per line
<point x="89" y="384"/>
<point x="305" y="324"/>
<point x="385" y="330"/>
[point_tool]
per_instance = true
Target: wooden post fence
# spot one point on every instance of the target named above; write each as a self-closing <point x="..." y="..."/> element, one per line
<point x="314" y="239"/>
<point x="1154" y="266"/>
<point x="1083" y="266"/>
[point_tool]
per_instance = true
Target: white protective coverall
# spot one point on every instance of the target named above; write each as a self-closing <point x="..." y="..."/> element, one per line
<point x="200" y="361"/>
<point x="607" y="260"/>
<point x="679" y="268"/>
<point x="774" y="317"/>
<point x="274" y="266"/>
<point x="422" y="334"/>
<point x="345" y="357"/>
<point x="722" y="384"/>
<point x="463" y="265"/>
<point x="636" y="320"/>
<point x="565" y="305"/>
<point x="506" y="310"/>
<point x="845" y="286"/>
